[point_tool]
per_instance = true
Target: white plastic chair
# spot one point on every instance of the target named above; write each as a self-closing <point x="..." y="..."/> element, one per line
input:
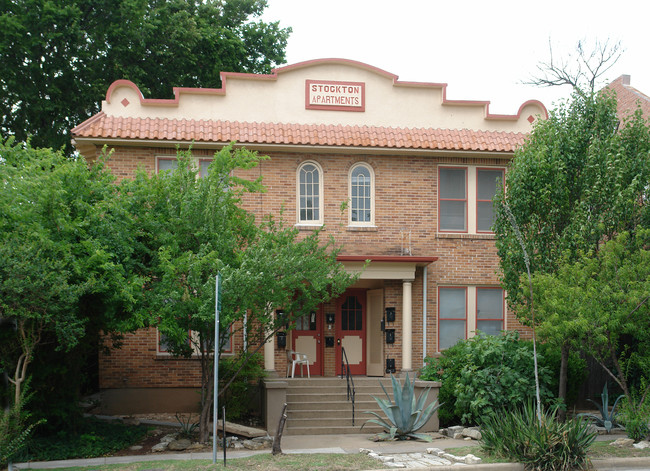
<point x="296" y="358"/>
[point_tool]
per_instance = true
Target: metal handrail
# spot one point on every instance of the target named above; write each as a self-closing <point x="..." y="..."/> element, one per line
<point x="345" y="367"/>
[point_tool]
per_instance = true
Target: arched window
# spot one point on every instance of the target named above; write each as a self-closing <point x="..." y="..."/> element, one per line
<point x="310" y="193"/>
<point x="362" y="195"/>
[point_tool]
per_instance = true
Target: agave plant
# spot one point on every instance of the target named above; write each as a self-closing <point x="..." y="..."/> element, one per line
<point x="405" y="415"/>
<point x="607" y="419"/>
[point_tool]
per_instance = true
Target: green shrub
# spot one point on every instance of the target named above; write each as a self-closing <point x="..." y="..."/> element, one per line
<point x="238" y="397"/>
<point x="484" y="374"/>
<point x="94" y="438"/>
<point x="15" y="429"/>
<point x="551" y="446"/>
<point x="636" y="419"/>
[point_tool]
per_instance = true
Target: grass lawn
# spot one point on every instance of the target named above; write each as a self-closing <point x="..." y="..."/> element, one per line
<point x="598" y="450"/>
<point x="330" y="462"/>
<point x="264" y="462"/>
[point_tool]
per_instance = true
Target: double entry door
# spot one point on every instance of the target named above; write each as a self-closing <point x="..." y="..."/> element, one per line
<point x="353" y="325"/>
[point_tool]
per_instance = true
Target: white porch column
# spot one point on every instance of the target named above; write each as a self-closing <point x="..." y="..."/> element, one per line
<point x="407" y="326"/>
<point x="269" y="355"/>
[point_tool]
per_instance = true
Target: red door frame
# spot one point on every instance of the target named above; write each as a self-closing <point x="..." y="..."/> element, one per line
<point x="360" y="294"/>
<point x="317" y="368"/>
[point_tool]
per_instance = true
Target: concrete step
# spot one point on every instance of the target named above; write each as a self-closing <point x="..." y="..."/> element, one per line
<point x="332" y="405"/>
<point x="316" y="389"/>
<point x="335" y="430"/>
<point x="317" y="414"/>
<point x="321" y="382"/>
<point x="320" y="406"/>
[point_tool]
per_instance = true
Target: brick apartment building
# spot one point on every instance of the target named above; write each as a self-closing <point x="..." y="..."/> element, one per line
<point x="417" y="170"/>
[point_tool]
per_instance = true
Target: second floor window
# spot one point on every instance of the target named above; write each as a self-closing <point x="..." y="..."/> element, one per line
<point x="465" y="198"/>
<point x="361" y="195"/>
<point x="310" y="189"/>
<point x="453" y="199"/>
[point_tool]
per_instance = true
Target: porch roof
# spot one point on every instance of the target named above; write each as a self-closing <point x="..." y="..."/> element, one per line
<point x="384" y="267"/>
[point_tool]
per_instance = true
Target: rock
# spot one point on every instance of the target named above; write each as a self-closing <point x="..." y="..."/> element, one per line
<point x="472" y="432"/>
<point x="169" y="438"/>
<point x="135" y="447"/>
<point x="387" y="459"/>
<point x="198" y="447"/>
<point x="434" y="451"/>
<point x="162" y="446"/>
<point x="622" y="442"/>
<point x="471" y="459"/>
<point x="179" y="445"/>
<point x="237" y="446"/>
<point x="453" y="430"/>
<point x="642" y="445"/>
<point x="374" y="455"/>
<point x="458" y="436"/>
<point x="266" y="441"/>
<point x="252" y="445"/>
<point x="365" y="450"/>
<point x="449" y="456"/>
<point x="395" y="465"/>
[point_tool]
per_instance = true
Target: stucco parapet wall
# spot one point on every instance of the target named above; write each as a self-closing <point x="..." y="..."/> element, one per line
<point x="280" y="97"/>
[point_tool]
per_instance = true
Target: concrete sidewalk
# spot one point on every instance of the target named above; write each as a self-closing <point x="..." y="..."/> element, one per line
<point x="334" y="444"/>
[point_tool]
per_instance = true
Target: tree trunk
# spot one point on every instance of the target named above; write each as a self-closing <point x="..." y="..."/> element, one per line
<point x="561" y="394"/>
<point x="206" y="407"/>
<point x="277" y="450"/>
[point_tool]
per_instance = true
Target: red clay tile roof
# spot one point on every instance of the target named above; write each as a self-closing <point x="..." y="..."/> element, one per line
<point x="629" y="97"/>
<point x="102" y="126"/>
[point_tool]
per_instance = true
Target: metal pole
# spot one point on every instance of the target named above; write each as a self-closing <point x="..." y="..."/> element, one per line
<point x="216" y="371"/>
<point x="223" y="418"/>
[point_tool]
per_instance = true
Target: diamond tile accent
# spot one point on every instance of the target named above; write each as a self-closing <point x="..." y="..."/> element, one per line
<point x="531" y="118"/>
<point x="125" y="103"/>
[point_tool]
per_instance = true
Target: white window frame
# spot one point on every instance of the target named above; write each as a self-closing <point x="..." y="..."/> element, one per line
<point x="471" y="195"/>
<point x="163" y="157"/>
<point x="319" y="220"/>
<point x="370" y="223"/>
<point x="471" y="317"/>
<point x="200" y="161"/>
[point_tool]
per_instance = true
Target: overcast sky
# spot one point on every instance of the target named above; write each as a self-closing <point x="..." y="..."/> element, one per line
<point x="483" y="50"/>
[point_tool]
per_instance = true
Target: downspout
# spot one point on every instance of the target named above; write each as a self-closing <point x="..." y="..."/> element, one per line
<point x="424" y="313"/>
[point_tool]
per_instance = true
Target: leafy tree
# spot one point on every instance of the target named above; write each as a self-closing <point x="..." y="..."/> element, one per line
<point x="609" y="292"/>
<point x="62" y="244"/>
<point x="58" y="57"/>
<point x="190" y="228"/>
<point x="580" y="179"/>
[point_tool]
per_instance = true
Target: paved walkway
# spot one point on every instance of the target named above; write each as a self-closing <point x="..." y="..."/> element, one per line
<point x="336" y="444"/>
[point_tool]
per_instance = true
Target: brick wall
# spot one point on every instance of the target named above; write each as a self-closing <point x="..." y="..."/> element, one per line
<point x="405" y="203"/>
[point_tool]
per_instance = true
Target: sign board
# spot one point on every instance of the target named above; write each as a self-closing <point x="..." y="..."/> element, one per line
<point x="335" y="96"/>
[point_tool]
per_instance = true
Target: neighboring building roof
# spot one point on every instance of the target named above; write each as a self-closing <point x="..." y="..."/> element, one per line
<point x="183" y="130"/>
<point x="278" y="110"/>
<point x="629" y="98"/>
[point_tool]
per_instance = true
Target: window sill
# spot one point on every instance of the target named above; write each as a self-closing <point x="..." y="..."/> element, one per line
<point x="362" y="228"/>
<point x="452" y="235"/>
<point x="168" y="356"/>
<point x="308" y="227"/>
